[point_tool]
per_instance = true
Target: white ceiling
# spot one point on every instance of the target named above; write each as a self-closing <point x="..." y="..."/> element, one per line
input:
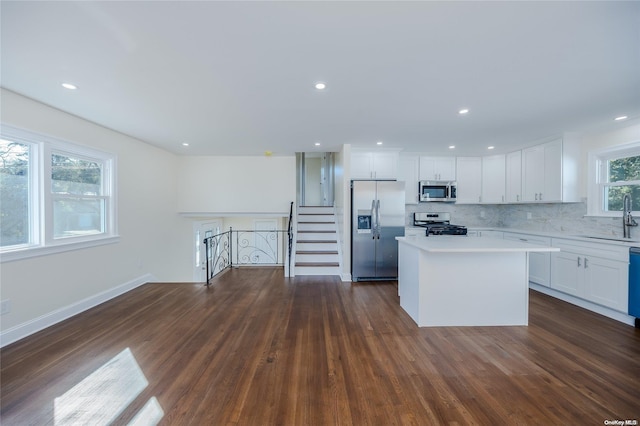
<point x="237" y="78"/>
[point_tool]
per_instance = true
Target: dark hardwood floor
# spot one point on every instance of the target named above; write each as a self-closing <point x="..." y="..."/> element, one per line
<point x="259" y="349"/>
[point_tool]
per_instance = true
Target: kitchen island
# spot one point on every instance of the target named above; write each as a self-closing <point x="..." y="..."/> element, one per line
<point x="462" y="281"/>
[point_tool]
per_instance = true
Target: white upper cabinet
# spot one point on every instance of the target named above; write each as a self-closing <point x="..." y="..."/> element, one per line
<point x="513" y="177"/>
<point x="437" y="168"/>
<point x="374" y="165"/>
<point x="469" y="174"/>
<point x="493" y="179"/>
<point x="408" y="172"/>
<point x="550" y="171"/>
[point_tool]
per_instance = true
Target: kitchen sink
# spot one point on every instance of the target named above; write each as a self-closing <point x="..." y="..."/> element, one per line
<point x="619" y="239"/>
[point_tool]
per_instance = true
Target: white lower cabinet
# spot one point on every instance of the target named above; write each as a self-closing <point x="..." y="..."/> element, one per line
<point x="598" y="273"/>
<point x="539" y="263"/>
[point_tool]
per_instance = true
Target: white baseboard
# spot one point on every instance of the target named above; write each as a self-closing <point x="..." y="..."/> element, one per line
<point x="593" y="307"/>
<point x="346" y="277"/>
<point x="23" y="330"/>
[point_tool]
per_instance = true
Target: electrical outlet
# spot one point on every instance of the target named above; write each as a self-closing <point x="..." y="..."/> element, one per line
<point x="482" y="214"/>
<point x="5" y="307"/>
<point x="528" y="215"/>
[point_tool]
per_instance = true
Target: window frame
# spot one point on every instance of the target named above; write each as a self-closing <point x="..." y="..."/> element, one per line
<point x="598" y="173"/>
<point x="41" y="233"/>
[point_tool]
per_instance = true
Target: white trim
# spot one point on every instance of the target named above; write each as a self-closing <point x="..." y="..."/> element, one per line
<point x="37" y="251"/>
<point x="33" y="326"/>
<point x="593" y="307"/>
<point x="595" y="159"/>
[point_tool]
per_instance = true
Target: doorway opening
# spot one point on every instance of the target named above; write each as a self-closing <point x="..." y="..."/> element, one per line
<point x="315" y="178"/>
<point x="202" y="230"/>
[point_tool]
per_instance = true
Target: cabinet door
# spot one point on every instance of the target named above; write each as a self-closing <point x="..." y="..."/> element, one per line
<point x="493" y="176"/>
<point x="552" y="190"/>
<point x="408" y="173"/>
<point x="446" y="168"/>
<point x="428" y="168"/>
<point x="567" y="272"/>
<point x="513" y="177"/>
<point x="361" y="165"/>
<point x="539" y="268"/>
<point x="606" y="282"/>
<point x="532" y="173"/>
<point x="469" y="172"/>
<point x="437" y="168"/>
<point x="539" y="263"/>
<point x="385" y="165"/>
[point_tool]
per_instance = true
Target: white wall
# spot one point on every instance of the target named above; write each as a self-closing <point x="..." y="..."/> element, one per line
<point x="342" y="203"/>
<point x="236" y="184"/>
<point x="626" y="132"/>
<point x="154" y="240"/>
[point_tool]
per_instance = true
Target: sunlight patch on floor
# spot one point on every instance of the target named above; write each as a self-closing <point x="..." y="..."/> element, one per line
<point x="103" y="395"/>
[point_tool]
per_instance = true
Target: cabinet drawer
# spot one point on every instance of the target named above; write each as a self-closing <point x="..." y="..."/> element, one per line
<point x="605" y="251"/>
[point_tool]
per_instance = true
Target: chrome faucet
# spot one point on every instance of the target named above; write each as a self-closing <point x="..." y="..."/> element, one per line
<point x="627" y="220"/>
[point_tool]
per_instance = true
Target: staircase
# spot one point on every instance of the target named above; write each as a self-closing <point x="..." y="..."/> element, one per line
<point x="316" y="242"/>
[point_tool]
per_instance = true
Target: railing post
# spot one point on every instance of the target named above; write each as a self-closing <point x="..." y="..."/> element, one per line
<point x="207" y="242"/>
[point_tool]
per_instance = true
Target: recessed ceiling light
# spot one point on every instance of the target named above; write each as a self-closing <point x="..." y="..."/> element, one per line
<point x="452" y="147"/>
<point x="490" y="147"/>
<point x="463" y="111"/>
<point x="69" y="86"/>
<point x="185" y="144"/>
<point x="317" y="144"/>
<point x="622" y="117"/>
<point x="321" y="86"/>
<point x="379" y="143"/>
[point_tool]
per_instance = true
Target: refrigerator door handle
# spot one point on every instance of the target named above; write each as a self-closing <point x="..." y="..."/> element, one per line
<point x="378" y="218"/>
<point x="373" y="220"/>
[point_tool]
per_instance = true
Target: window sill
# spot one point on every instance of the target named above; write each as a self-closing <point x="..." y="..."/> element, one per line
<point x="29" y="252"/>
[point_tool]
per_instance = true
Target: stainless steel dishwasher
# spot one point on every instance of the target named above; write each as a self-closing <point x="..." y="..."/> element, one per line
<point x="634" y="284"/>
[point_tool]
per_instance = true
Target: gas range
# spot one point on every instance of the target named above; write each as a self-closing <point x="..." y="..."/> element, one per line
<point x="437" y="224"/>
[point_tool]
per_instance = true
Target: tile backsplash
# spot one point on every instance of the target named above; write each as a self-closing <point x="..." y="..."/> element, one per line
<point x="561" y="218"/>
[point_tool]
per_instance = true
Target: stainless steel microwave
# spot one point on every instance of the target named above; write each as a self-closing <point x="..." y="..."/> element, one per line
<point x="438" y="190"/>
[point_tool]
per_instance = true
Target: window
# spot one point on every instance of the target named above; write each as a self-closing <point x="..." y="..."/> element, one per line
<point x="77" y="196"/>
<point x="617" y="173"/>
<point x="54" y="195"/>
<point x="15" y="193"/>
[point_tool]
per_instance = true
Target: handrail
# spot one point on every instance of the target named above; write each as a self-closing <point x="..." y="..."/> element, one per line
<point x="290" y="236"/>
<point x="252" y="247"/>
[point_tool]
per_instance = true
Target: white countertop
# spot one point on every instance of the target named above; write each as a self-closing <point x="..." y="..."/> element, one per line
<point x="463" y="244"/>
<point x="594" y="238"/>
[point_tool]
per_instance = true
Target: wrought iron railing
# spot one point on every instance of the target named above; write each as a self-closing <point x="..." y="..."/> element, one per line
<point x="290" y="238"/>
<point x="248" y="247"/>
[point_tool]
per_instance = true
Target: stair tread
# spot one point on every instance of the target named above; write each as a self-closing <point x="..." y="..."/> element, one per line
<point x="317" y="241"/>
<point x="317" y="264"/>
<point x="315" y="252"/>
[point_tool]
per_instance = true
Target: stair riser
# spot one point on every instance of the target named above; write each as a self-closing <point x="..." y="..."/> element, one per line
<point x="302" y="246"/>
<point x="316" y="236"/>
<point x="316" y="218"/>
<point x="322" y="210"/>
<point x="316" y="226"/>
<point x="317" y="270"/>
<point x="317" y="258"/>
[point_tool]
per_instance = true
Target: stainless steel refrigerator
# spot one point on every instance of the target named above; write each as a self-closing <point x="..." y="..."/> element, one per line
<point x="377" y="211"/>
